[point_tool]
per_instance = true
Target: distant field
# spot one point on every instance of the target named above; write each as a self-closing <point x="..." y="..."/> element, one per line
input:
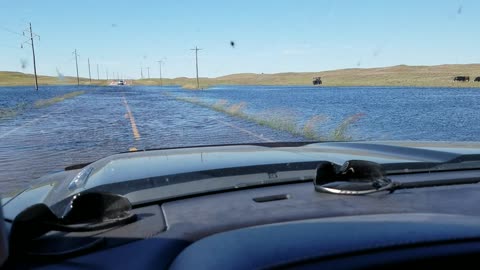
<point x="389" y="76"/>
<point x="402" y="75"/>
<point x="8" y="78"/>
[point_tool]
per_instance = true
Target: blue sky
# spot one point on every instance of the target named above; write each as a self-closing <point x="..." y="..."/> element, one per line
<point x="270" y="36"/>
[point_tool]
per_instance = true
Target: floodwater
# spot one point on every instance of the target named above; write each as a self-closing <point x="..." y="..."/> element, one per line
<point x="108" y="120"/>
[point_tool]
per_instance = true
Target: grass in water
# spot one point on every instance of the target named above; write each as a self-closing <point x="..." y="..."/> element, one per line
<point x="11" y="112"/>
<point x="22" y="106"/>
<point x="277" y="119"/>
<point x="47" y="102"/>
<point x="237" y="109"/>
<point x="282" y="120"/>
<point x="340" y="133"/>
<point x="6" y="113"/>
<point x="220" y="105"/>
<point x="309" y="130"/>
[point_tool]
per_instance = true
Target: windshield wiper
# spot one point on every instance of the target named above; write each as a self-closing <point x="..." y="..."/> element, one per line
<point x="360" y="177"/>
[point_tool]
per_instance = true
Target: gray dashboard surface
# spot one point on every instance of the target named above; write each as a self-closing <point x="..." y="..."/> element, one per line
<point x="194" y="218"/>
<point x="287" y="243"/>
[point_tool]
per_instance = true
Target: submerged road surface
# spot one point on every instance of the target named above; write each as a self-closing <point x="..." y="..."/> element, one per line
<point x="109" y="120"/>
<point x="38" y="136"/>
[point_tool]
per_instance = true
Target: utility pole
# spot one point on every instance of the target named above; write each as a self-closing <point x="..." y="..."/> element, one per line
<point x="98" y="74"/>
<point x="196" y="64"/>
<point x="160" y="66"/>
<point x="106" y="71"/>
<point x="89" y="74"/>
<point x="76" y="64"/>
<point x="148" y="72"/>
<point x="141" y="72"/>
<point x="33" y="52"/>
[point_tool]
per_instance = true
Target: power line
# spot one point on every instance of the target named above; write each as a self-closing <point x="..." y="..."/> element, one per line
<point x="11" y="31"/>
<point x="196" y="64"/>
<point x="10" y="47"/>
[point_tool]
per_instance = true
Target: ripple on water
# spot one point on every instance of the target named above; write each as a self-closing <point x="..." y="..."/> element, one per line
<point x="94" y="125"/>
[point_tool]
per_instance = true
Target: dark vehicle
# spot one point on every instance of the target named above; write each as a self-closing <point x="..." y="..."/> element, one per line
<point x="462" y="78"/>
<point x="317" y="81"/>
<point x="477" y="79"/>
<point x="285" y="201"/>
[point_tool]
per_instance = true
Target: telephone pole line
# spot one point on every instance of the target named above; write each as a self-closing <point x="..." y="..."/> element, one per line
<point x="160" y="66"/>
<point x="89" y="74"/>
<point x="141" y="72"/>
<point x="196" y="64"/>
<point x="33" y="52"/>
<point x="98" y="74"/>
<point x="76" y="64"/>
<point x="148" y="72"/>
<point x="106" y="72"/>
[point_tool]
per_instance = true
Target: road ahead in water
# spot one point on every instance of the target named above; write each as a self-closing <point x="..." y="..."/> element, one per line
<point x="109" y="120"/>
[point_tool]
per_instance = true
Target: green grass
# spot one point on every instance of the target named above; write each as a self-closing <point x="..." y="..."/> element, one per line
<point x="281" y="120"/>
<point x="48" y="102"/>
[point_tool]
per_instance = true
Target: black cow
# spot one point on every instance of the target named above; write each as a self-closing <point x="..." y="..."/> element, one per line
<point x="317" y="81"/>
<point x="462" y="78"/>
<point x="477" y="79"/>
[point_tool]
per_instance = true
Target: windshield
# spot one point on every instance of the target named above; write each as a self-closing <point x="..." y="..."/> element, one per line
<point x="82" y="80"/>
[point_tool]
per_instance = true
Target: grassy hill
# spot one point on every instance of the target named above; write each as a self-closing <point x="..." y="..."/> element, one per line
<point x="402" y="75"/>
<point x="8" y="78"/>
<point x="441" y="75"/>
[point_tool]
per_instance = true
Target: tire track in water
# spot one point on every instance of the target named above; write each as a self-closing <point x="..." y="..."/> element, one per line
<point x="48" y="141"/>
<point x="260" y="137"/>
<point x="26" y="124"/>
<point x="228" y="124"/>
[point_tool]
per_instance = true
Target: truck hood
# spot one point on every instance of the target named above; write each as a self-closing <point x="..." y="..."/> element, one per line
<point x="158" y="174"/>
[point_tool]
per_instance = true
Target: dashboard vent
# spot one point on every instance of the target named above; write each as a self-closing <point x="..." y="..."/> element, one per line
<point x="271" y="198"/>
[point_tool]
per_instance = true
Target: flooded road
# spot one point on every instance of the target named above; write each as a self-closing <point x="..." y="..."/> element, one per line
<point x="36" y="140"/>
<point x="99" y="123"/>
